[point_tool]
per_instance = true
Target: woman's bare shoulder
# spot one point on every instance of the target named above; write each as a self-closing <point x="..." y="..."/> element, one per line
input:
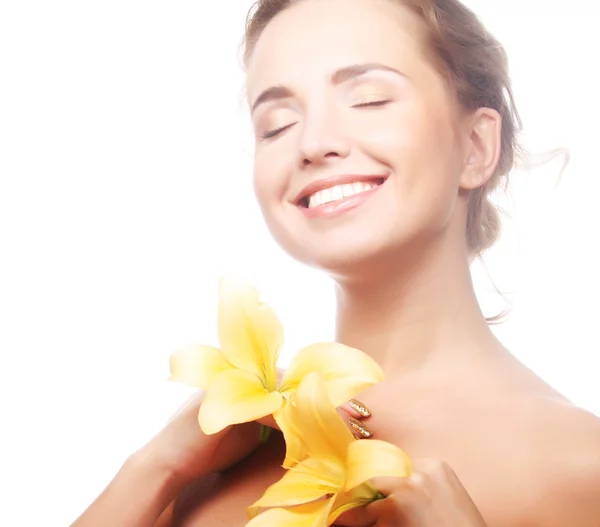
<point x="533" y="457"/>
<point x="564" y="418"/>
<point x="561" y="455"/>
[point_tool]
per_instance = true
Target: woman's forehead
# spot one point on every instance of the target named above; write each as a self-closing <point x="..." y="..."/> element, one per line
<point x="316" y="37"/>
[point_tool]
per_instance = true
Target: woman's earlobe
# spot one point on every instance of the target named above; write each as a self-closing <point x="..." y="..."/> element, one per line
<point x="485" y="142"/>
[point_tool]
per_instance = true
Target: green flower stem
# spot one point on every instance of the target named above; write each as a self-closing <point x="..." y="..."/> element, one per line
<point x="265" y="433"/>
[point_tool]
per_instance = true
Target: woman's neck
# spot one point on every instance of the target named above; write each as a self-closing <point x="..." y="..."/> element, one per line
<point x="424" y="318"/>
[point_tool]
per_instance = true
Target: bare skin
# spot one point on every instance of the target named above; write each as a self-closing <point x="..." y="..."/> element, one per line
<point x="493" y="444"/>
<point x="513" y="442"/>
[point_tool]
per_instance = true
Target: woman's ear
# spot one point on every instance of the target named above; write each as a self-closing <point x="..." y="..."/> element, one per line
<point x="484" y="144"/>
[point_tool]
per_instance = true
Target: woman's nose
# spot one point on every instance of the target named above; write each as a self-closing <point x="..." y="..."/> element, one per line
<point x="322" y="140"/>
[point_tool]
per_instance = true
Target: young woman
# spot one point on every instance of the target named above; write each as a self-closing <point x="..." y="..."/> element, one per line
<point x="381" y="127"/>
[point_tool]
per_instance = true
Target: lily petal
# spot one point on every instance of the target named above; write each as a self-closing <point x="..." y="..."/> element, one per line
<point x="347" y="506"/>
<point x="294" y="449"/>
<point x="313" y="419"/>
<point x="310" y="515"/>
<point x="236" y="396"/>
<point x="347" y="371"/>
<point x="250" y="333"/>
<point x="197" y="365"/>
<point x="357" y="497"/>
<point x="373" y="458"/>
<point x="308" y="481"/>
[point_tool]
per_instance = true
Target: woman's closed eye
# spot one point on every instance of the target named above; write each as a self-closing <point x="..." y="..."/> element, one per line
<point x="365" y="104"/>
<point x="272" y="133"/>
<point x="378" y="102"/>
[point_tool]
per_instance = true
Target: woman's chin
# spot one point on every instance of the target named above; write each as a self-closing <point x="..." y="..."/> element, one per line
<point x="348" y="259"/>
<point x="358" y="246"/>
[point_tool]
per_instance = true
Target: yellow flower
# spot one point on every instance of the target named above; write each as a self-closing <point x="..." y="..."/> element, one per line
<point x="333" y="478"/>
<point x="241" y="377"/>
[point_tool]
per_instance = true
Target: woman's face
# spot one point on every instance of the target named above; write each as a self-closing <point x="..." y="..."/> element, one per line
<point x="358" y="153"/>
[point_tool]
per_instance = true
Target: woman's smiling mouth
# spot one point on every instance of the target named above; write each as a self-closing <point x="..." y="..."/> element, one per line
<point x="337" y="194"/>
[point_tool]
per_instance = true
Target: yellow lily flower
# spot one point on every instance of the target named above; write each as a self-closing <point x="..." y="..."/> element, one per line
<point x="241" y="377"/>
<point x="333" y="478"/>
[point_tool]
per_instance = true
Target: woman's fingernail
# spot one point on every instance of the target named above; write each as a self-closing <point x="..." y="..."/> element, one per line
<point x="359" y="427"/>
<point x="359" y="407"/>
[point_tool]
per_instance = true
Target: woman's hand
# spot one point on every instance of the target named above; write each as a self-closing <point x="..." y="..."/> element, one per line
<point x="185" y="451"/>
<point x="432" y="497"/>
<point x="145" y="489"/>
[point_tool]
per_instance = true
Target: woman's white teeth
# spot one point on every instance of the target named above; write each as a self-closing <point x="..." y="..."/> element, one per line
<point x="337" y="193"/>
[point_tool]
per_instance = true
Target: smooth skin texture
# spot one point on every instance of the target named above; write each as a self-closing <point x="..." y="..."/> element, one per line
<point x="493" y="444"/>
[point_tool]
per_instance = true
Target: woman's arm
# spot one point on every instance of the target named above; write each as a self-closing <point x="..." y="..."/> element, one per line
<point x="138" y="495"/>
<point x="143" y="491"/>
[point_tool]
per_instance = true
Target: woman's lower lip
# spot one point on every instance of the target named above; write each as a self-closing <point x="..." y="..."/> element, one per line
<point x="338" y="207"/>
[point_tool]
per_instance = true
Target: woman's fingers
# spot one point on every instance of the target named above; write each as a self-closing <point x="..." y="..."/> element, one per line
<point x="356" y="409"/>
<point x="353" y="412"/>
<point x="432" y="495"/>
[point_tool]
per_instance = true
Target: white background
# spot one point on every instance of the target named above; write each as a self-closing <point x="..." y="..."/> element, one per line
<point x="125" y="192"/>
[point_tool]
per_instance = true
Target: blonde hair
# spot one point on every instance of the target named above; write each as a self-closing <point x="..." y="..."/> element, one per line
<point x="475" y="67"/>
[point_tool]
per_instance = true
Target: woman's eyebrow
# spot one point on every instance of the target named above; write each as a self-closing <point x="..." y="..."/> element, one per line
<point x="340" y="76"/>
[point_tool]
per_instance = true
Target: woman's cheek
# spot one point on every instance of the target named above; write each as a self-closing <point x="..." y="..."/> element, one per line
<point x="269" y="180"/>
